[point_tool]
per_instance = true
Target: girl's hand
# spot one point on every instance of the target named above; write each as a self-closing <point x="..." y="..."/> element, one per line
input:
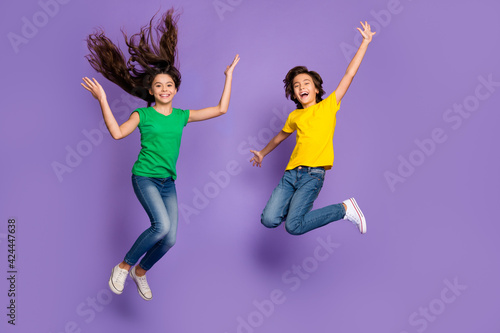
<point x="366" y="32"/>
<point x="230" y="68"/>
<point x="257" y="158"/>
<point x="95" y="88"/>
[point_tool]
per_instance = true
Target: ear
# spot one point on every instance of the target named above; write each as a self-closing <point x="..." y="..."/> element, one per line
<point x="150" y="91"/>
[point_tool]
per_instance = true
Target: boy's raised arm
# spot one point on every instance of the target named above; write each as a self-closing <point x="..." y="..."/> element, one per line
<point x="353" y="67"/>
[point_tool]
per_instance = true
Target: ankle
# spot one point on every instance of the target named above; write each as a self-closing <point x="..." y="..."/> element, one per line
<point x="124" y="265"/>
<point x="139" y="271"/>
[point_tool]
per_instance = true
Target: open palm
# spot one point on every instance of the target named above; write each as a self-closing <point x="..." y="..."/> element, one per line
<point x="366" y="32"/>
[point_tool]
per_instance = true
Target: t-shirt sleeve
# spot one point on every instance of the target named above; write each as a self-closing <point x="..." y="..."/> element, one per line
<point x="289" y="126"/>
<point x="185" y="116"/>
<point x="333" y="104"/>
<point x="141" y="113"/>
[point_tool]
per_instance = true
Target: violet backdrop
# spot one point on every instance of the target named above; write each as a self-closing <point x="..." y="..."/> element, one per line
<point x="414" y="144"/>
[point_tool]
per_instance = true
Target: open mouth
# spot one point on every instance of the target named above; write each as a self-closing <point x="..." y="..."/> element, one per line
<point x="304" y="94"/>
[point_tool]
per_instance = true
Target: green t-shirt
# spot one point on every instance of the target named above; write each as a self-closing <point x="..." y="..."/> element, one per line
<point x="160" y="142"/>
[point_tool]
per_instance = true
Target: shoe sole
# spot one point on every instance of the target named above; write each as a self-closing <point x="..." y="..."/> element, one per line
<point x="139" y="290"/>
<point x="362" y="228"/>
<point x="112" y="286"/>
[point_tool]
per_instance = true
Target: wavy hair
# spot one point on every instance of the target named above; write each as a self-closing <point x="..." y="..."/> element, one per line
<point x="152" y="51"/>
<point x="288" y="81"/>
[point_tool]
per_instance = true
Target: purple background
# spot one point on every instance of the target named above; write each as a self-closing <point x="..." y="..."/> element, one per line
<point x="437" y="228"/>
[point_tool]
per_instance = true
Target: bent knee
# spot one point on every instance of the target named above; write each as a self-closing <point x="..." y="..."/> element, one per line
<point x="270" y="221"/>
<point x="170" y="242"/>
<point x="294" y="229"/>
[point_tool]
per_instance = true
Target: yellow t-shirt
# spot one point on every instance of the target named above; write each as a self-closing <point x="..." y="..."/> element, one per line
<point x="315" y="126"/>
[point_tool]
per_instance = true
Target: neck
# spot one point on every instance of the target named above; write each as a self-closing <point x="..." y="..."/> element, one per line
<point x="163" y="108"/>
<point x="305" y="106"/>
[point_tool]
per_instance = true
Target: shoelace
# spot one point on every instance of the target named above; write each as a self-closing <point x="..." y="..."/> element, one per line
<point x="353" y="218"/>
<point x="143" y="282"/>
<point x="121" y="276"/>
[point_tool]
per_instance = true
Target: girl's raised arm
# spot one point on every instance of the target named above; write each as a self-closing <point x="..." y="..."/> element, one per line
<point x="116" y="131"/>
<point x="221" y="108"/>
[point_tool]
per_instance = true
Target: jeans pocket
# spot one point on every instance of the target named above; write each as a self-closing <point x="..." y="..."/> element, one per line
<point x="319" y="174"/>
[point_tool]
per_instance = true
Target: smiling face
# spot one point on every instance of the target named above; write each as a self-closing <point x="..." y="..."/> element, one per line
<point x="304" y="90"/>
<point x="163" y="89"/>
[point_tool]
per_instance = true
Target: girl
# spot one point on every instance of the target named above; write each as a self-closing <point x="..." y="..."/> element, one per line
<point x="314" y="120"/>
<point x="151" y="75"/>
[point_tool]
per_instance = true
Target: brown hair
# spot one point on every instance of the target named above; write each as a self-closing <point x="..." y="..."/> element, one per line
<point x="152" y="51"/>
<point x="288" y="81"/>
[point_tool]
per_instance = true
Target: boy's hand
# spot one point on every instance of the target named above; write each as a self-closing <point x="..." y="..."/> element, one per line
<point x="366" y="32"/>
<point x="257" y="158"/>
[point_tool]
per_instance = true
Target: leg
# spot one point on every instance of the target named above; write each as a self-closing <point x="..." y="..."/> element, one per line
<point x="300" y="217"/>
<point x="159" y="249"/>
<point x="276" y="208"/>
<point x="148" y="193"/>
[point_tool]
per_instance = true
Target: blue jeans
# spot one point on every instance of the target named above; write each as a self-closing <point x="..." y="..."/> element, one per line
<point x="293" y="198"/>
<point x="159" y="199"/>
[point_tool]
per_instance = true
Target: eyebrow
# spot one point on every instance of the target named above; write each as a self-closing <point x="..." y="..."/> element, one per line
<point x="302" y="81"/>
<point x="158" y="82"/>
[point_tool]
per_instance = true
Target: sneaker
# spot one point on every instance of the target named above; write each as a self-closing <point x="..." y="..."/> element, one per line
<point x="117" y="279"/>
<point x="142" y="285"/>
<point x="354" y="214"/>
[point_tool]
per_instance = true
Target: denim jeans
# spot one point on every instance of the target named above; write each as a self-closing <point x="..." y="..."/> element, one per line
<point x="159" y="199"/>
<point x="293" y="198"/>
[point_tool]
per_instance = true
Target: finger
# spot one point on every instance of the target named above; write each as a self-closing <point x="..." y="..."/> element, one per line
<point x="89" y="83"/>
<point x="83" y="85"/>
<point x="236" y="60"/>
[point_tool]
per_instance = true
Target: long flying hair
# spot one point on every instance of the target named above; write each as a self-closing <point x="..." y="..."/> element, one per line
<point x="152" y="51"/>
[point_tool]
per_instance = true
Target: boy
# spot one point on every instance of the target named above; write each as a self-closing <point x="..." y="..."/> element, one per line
<point x="314" y="120"/>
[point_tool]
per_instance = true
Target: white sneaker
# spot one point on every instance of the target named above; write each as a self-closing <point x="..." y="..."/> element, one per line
<point x="117" y="279"/>
<point x="142" y="285"/>
<point x="355" y="215"/>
